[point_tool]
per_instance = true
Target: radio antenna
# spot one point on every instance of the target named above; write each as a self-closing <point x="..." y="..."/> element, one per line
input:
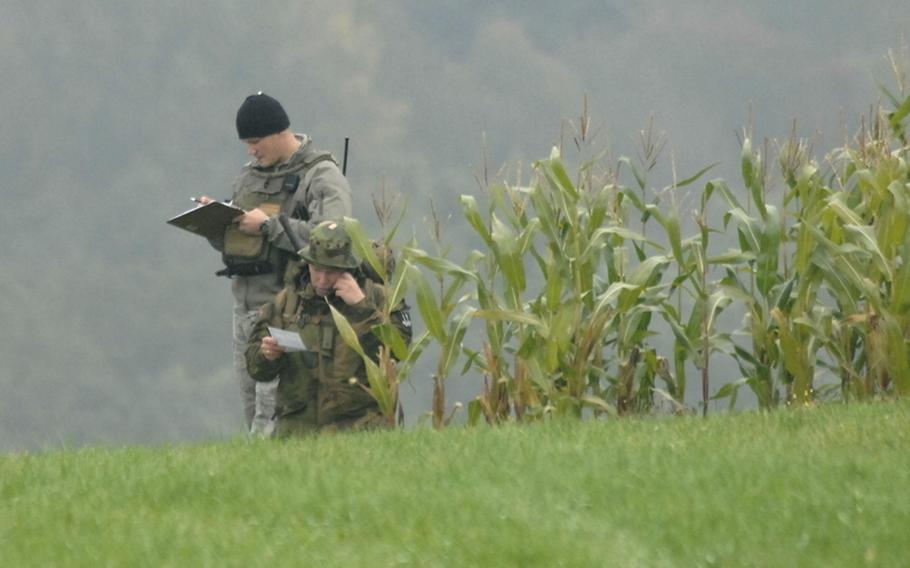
<point x="344" y="160"/>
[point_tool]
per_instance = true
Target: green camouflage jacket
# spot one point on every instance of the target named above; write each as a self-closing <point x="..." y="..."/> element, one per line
<point x="315" y="390"/>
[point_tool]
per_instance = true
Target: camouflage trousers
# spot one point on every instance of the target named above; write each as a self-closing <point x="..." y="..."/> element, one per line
<point x="257" y="398"/>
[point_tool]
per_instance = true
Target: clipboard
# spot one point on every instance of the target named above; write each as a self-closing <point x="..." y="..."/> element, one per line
<point x="209" y="220"/>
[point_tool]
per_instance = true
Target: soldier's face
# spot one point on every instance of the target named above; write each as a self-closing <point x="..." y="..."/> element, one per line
<point x="323" y="279"/>
<point x="267" y="151"/>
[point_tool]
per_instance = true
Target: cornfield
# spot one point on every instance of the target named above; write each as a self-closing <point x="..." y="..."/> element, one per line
<point x="579" y="276"/>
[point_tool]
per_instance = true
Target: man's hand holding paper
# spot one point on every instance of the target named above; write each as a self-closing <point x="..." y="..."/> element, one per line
<point x="289" y="341"/>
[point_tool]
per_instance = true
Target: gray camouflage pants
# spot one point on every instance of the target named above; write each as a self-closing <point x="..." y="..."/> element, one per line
<point x="258" y="398"/>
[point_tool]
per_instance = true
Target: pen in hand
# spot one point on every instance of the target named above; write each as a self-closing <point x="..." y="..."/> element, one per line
<point x="205" y="200"/>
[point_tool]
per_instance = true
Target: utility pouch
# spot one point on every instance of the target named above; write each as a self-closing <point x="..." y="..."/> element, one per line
<point x="240" y="245"/>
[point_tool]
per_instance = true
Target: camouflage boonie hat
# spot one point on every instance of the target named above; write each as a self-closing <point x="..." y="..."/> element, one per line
<point x="330" y="246"/>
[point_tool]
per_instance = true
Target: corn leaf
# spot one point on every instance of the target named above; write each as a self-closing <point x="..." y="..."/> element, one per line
<point x="694" y="177"/>
<point x="391" y="337"/>
<point x="437" y="264"/>
<point x="514" y="315"/>
<point x="415" y="350"/>
<point x="363" y="246"/>
<point x="472" y="214"/>
<point x="429" y="310"/>
<point x="769" y="253"/>
<point x="452" y="347"/>
<point x="399" y="288"/>
<point x="379" y="387"/>
<point x="508" y="254"/>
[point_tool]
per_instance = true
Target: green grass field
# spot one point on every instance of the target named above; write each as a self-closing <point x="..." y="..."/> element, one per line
<point x="826" y="486"/>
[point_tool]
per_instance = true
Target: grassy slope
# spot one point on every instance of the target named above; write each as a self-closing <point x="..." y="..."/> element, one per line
<point x="827" y="486"/>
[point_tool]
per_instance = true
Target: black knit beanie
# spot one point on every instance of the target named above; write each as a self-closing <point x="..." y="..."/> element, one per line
<point x="259" y="116"/>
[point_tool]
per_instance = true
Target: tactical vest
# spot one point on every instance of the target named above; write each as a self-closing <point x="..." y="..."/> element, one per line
<point x="246" y="255"/>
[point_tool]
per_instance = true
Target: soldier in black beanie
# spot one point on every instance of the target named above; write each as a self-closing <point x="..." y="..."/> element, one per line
<point x="287" y="175"/>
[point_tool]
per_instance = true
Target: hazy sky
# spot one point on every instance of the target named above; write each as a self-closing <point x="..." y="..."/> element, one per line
<point x="112" y="114"/>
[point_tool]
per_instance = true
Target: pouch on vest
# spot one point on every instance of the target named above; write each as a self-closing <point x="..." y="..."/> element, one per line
<point x="243" y="247"/>
<point x="240" y="245"/>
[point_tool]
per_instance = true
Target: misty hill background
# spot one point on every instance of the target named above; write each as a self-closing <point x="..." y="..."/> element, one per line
<point x="112" y="114"/>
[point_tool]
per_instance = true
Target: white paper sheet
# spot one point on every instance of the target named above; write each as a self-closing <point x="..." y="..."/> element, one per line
<point x="289" y="340"/>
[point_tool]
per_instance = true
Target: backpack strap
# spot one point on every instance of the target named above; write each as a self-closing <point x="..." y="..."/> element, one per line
<point x="286" y="301"/>
<point x="300" y="211"/>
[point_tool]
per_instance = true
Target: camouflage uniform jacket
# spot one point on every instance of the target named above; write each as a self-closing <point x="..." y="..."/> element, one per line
<point x="315" y="390"/>
<point x="322" y="193"/>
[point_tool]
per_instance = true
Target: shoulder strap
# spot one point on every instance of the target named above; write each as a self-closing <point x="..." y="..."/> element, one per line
<point x="300" y="211"/>
<point x="286" y="304"/>
<point x="319" y="157"/>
